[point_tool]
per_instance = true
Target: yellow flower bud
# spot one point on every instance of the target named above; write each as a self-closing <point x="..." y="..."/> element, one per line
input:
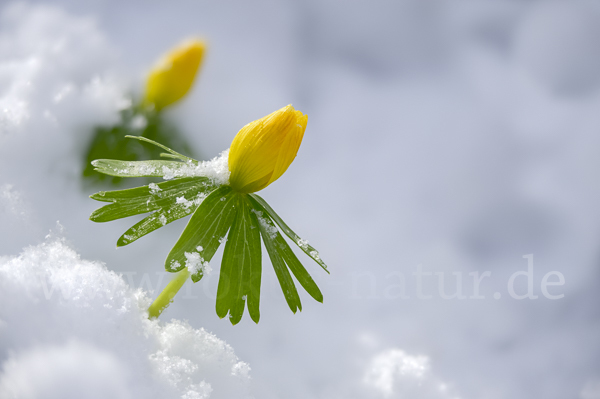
<point x="173" y="76"/>
<point x="262" y="150"/>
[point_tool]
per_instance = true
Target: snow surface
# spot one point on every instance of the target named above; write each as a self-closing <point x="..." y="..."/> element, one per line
<point x="73" y="329"/>
<point x="445" y="137"/>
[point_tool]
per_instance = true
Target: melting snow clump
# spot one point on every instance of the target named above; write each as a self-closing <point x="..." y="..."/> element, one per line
<point x="195" y="263"/>
<point x="217" y="169"/>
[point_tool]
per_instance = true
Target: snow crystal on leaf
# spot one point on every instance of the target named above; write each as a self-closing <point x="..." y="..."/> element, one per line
<point x="217" y="169"/>
<point x="302" y="243"/>
<point x="268" y="227"/>
<point x="181" y="200"/>
<point x="163" y="219"/>
<point x="175" y="265"/>
<point x="136" y="168"/>
<point x="196" y="263"/>
<point x="154" y="188"/>
<point x="187" y="204"/>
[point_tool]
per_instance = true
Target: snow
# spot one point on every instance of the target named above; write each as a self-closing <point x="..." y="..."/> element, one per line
<point x="187" y="204"/>
<point x="86" y="335"/>
<point x="175" y="265"/>
<point x="217" y="170"/>
<point x="154" y="189"/>
<point x="302" y="243"/>
<point x="395" y="374"/>
<point x="445" y="139"/>
<point x="268" y="227"/>
<point x="195" y="263"/>
<point x="49" y="67"/>
<point x="163" y="219"/>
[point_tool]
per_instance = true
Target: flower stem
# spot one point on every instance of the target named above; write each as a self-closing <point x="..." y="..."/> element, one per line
<point x="165" y="298"/>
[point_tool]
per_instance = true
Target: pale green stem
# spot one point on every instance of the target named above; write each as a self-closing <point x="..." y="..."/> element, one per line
<point x="165" y="298"/>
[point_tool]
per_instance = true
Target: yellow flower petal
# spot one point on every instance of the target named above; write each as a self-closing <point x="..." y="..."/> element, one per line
<point x="173" y="76"/>
<point x="263" y="150"/>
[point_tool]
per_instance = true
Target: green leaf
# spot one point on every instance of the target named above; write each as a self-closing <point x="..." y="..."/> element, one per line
<point x="186" y="192"/>
<point x="205" y="230"/>
<point x="110" y="142"/>
<point x="115" y="195"/>
<point x="255" y="251"/>
<point x="302" y="244"/>
<point x="164" y="155"/>
<point x="274" y="239"/>
<point x="174" y="154"/>
<point x="241" y="267"/>
<point x="267" y="230"/>
<point x="297" y="269"/>
<point x="154" y="221"/>
<point x="118" y="168"/>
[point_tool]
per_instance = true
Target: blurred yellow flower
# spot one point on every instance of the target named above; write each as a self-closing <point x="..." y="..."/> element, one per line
<point x="173" y="76"/>
<point x="262" y="150"/>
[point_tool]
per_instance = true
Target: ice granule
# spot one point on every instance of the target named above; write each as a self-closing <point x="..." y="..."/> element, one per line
<point x="163" y="219"/>
<point x="154" y="188"/>
<point x="175" y="265"/>
<point x="187" y="204"/>
<point x="181" y="200"/>
<point x="268" y="227"/>
<point x="195" y="263"/>
<point x="168" y="173"/>
<point x="302" y="243"/>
